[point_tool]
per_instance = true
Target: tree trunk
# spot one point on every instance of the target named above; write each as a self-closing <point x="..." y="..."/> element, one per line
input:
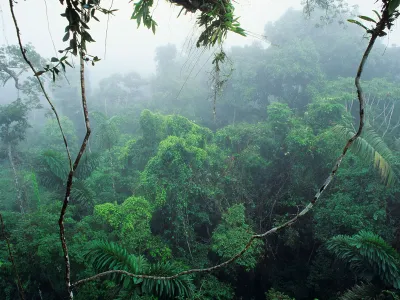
<point x="234" y="115"/>
<point x="16" y="181"/>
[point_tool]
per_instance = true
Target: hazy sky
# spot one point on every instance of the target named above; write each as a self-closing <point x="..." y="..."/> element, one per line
<point x="129" y="48"/>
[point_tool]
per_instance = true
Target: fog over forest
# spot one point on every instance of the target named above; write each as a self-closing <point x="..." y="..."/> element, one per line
<point x="219" y="150"/>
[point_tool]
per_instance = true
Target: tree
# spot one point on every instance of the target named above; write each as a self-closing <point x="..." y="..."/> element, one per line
<point x="187" y="149"/>
<point x="13" y="126"/>
<point x="13" y="67"/>
<point x="232" y="234"/>
<point x="15" y="114"/>
<point x="131" y="222"/>
<point x="119" y="93"/>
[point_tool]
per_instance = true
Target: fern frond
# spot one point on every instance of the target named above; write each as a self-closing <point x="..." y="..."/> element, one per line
<point x="106" y="131"/>
<point x="368" y="252"/>
<point x="167" y="289"/>
<point x="371" y="146"/>
<point x="366" y="291"/>
<point x="52" y="168"/>
<point x="82" y="194"/>
<point x="106" y="256"/>
<point x="89" y="162"/>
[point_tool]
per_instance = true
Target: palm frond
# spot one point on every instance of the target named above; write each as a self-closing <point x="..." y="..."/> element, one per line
<point x="366" y="291"/>
<point x="52" y="168"/>
<point x="82" y="194"/>
<point x="106" y="131"/>
<point x="106" y="256"/>
<point x="167" y="289"/>
<point x="371" y="146"/>
<point x="366" y="253"/>
<point x="89" y="162"/>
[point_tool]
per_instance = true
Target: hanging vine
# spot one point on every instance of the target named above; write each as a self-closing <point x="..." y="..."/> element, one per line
<point x="218" y="80"/>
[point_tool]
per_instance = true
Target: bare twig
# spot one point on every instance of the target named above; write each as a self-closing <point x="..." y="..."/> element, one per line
<point x="11" y="74"/>
<point x="389" y="121"/>
<point x="19" y="284"/>
<point x="48" y="27"/>
<point x="381" y="25"/>
<point x="23" y="52"/>
<point x="108" y="21"/>
<point x="393" y="127"/>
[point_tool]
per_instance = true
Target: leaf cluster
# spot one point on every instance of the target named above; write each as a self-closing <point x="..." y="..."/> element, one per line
<point x="110" y="256"/>
<point x="368" y="254"/>
<point x="389" y="13"/>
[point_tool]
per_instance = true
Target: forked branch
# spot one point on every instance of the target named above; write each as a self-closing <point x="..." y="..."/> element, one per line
<point x="82" y="149"/>
<point x="23" y="52"/>
<point x="70" y="179"/>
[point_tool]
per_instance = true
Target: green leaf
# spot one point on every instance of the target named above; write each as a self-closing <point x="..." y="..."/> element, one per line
<point x="84" y="25"/>
<point x="367" y="19"/>
<point x="54" y="59"/>
<point x="68" y="64"/>
<point x="39" y="73"/>
<point x="393" y="5"/>
<point x="358" y="23"/>
<point x="377" y="14"/>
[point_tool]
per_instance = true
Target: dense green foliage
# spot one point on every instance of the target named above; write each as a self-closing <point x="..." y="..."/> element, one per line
<point x="164" y="187"/>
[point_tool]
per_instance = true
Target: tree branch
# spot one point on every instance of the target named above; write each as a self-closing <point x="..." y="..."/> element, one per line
<point x="380" y="27"/>
<point x="78" y="157"/>
<point x="12" y="75"/>
<point x="23" y="52"/>
<point x="70" y="179"/>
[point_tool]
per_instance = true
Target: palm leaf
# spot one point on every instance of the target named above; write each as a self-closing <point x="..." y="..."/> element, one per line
<point x="367" y="253"/>
<point x="89" y="162"/>
<point x="168" y="289"/>
<point x="373" y="148"/>
<point x="106" y="256"/>
<point x="106" y="131"/>
<point x="82" y="194"/>
<point x="366" y="291"/>
<point x="52" y="168"/>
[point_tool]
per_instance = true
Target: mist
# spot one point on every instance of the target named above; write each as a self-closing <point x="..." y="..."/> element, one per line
<point x="128" y="48"/>
<point x="263" y="167"/>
